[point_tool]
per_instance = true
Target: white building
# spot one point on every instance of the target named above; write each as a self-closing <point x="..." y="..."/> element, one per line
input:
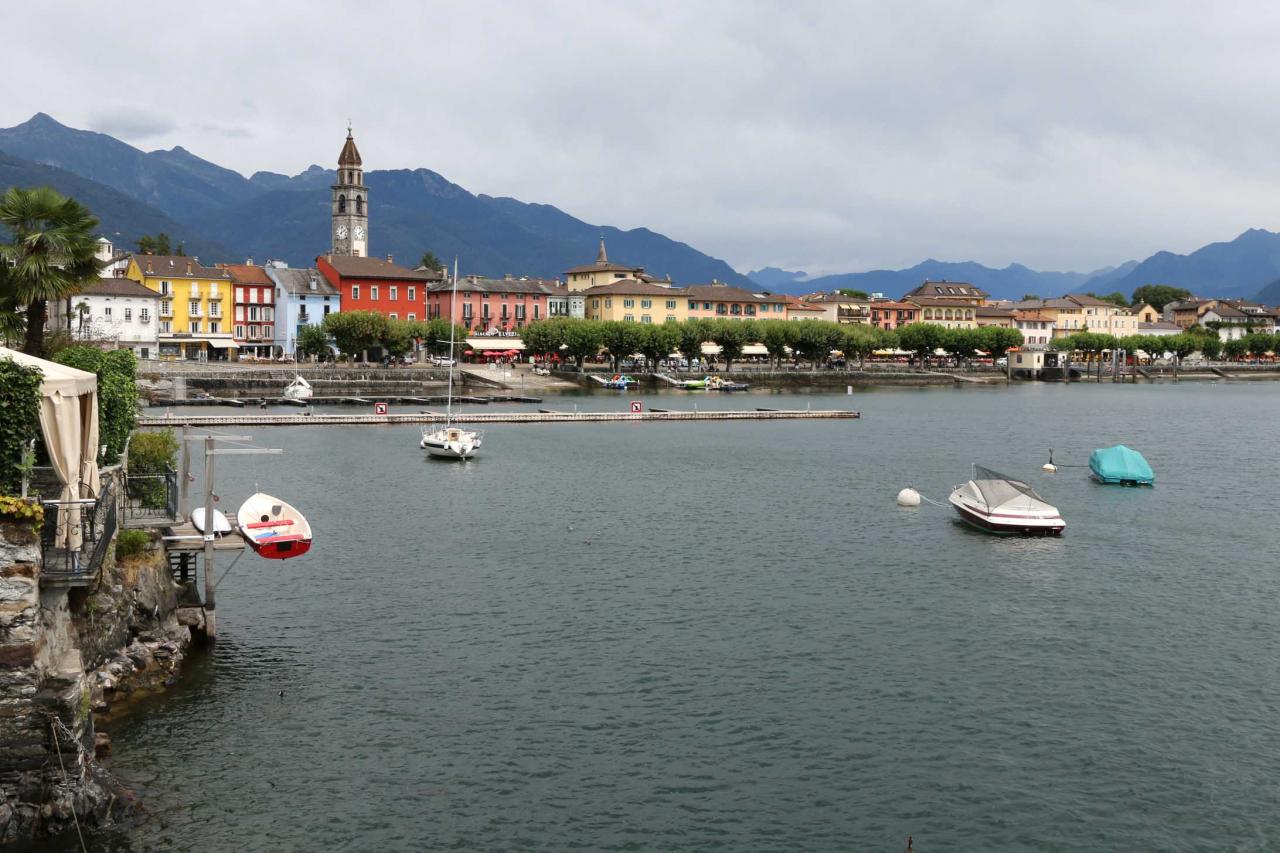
<point x="303" y="298"/>
<point x="1036" y="331"/>
<point x="115" y="310"/>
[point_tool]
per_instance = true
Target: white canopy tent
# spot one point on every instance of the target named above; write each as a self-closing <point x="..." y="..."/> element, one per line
<point x="69" y="423"/>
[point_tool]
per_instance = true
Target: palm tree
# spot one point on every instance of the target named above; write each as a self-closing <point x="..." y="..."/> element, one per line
<point x="50" y="253"/>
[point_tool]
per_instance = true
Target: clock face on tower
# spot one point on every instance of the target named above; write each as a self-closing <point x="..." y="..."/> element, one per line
<point x="342" y="232"/>
<point x="359" y="233"/>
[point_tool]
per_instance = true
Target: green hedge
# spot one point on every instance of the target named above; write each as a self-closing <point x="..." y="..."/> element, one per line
<point x="117" y="393"/>
<point x="151" y="453"/>
<point x="19" y="419"/>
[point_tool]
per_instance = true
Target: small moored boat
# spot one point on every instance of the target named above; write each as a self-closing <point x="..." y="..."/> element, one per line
<point x="999" y="504"/>
<point x="273" y="528"/>
<point x="298" y="389"/>
<point x="1121" y="466"/>
<point x="451" y="442"/>
<point x="220" y="524"/>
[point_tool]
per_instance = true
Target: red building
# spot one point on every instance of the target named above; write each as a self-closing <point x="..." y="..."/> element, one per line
<point x="253" y="311"/>
<point x="488" y="305"/>
<point x="370" y="284"/>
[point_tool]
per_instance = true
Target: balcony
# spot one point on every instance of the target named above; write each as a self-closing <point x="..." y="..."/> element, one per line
<point x="145" y="318"/>
<point x="195" y="312"/>
<point x="215" y="296"/>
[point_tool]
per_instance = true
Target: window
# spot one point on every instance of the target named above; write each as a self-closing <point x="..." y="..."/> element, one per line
<point x="106" y="312"/>
<point x="595" y="303"/>
<point x="194" y="308"/>
<point x="706" y="306"/>
<point x="628" y="303"/>
<point x="166" y="327"/>
<point x="535" y="310"/>
<point x="214" y="327"/>
<point x="466" y="311"/>
<point x="413" y="293"/>
<point x="671" y="318"/>
<point x="355" y="291"/>
<point x="608" y="303"/>
<point x="373" y="292"/>
<point x="195" y="327"/>
<point x="395" y="293"/>
<point x="268" y="332"/>
<point x="645" y="318"/>
<point x="646" y="303"/>
<point x="628" y="318"/>
<point x="484" y="310"/>
<point x="239" y="331"/>
<point x="215" y="309"/>
<point x="239" y="294"/>
<point x="165" y="288"/>
<point x="393" y="316"/>
<point x="411" y="317"/>
<point x="693" y="306"/>
<point x="504" y="310"/>
<point x="342" y="204"/>
<point x="671" y="305"/>
<point x="253" y="313"/>
<point x="735" y="309"/>
<point x="721" y="309"/>
<point x="520" y="312"/>
<point x="144" y="315"/>
<point x="359" y="205"/>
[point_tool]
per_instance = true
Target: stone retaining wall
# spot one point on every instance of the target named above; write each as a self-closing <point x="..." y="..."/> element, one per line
<point x="63" y="654"/>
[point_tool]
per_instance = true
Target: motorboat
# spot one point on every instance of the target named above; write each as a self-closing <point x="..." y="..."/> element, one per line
<point x="273" y="528"/>
<point x="1121" y="466"/>
<point x="451" y="441"/>
<point x="999" y="504"/>
<point x="716" y="383"/>
<point x="298" y="389"/>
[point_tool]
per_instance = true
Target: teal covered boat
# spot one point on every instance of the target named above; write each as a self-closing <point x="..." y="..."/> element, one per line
<point x="1122" y="466"/>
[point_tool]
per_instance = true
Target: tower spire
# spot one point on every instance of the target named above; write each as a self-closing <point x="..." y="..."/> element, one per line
<point x="602" y="257"/>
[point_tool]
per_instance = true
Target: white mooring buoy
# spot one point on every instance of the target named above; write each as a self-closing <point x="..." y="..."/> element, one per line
<point x="908" y="497"/>
<point x="1049" y="467"/>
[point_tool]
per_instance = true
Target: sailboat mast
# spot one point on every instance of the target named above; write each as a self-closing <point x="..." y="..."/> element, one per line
<point x="453" y="307"/>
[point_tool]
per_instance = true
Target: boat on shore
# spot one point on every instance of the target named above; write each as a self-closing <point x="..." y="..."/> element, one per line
<point x="221" y="526"/>
<point x="274" y="529"/>
<point x="999" y="504"/>
<point x="1121" y="466"/>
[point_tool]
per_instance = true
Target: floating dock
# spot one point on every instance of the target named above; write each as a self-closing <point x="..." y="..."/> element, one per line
<point x="542" y="417"/>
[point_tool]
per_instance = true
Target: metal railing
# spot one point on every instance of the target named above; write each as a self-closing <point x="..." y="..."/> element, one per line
<point x="92" y="521"/>
<point x="150" y="499"/>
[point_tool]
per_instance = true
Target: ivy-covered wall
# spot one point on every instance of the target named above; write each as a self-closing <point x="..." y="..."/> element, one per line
<point x="117" y="393"/>
<point x="19" y="420"/>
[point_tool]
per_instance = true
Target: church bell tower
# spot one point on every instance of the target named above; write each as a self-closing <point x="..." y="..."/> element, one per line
<point x="350" y="231"/>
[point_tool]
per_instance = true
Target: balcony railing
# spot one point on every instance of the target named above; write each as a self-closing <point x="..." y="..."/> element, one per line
<point x="151" y="499"/>
<point x="215" y="295"/>
<point x="76" y="536"/>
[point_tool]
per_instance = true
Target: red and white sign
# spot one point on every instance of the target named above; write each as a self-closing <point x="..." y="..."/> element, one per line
<point x="636" y="407"/>
<point x="379" y="408"/>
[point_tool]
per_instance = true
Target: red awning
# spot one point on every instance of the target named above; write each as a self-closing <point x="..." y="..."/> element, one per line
<point x="468" y="352"/>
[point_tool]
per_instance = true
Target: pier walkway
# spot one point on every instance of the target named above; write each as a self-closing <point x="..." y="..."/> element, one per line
<point x="542" y="417"/>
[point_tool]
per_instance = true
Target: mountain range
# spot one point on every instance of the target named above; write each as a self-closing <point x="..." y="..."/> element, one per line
<point x="1248" y="266"/>
<point x="220" y="215"/>
<point x="223" y="216"/>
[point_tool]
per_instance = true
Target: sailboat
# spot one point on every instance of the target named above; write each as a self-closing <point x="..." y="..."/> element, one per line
<point x="451" y="441"/>
<point x="298" y="389"/>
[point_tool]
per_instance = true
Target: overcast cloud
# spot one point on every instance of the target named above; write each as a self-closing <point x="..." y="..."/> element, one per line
<point x="824" y="136"/>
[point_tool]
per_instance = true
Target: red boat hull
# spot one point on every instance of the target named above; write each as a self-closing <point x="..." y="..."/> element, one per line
<point x="280" y="547"/>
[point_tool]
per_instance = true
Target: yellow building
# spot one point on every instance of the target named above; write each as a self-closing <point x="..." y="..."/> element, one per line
<point x="718" y="301"/>
<point x="603" y="271"/>
<point x="635" y="302"/>
<point x="1076" y="313"/>
<point x="194" y="313"/>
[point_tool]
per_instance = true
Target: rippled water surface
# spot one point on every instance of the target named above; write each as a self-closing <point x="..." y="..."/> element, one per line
<point x="727" y="636"/>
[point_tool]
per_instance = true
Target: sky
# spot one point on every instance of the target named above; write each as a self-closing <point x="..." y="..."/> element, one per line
<point x="827" y="137"/>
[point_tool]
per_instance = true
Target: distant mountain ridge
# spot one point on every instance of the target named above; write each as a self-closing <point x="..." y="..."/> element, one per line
<point x="287" y="218"/>
<point x="223" y="216"/>
<point x="1012" y="282"/>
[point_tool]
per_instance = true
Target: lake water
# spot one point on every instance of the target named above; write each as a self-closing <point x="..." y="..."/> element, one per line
<point x="728" y="636"/>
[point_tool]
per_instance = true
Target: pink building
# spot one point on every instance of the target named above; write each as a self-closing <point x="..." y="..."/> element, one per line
<point x="489" y="305"/>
